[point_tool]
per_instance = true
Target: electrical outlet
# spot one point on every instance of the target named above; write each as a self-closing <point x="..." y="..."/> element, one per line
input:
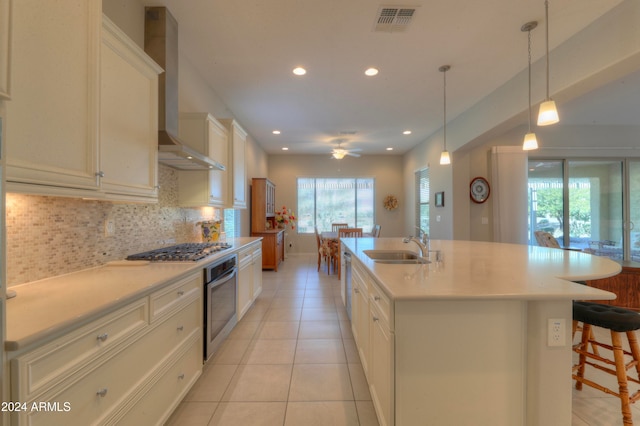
<point x="557" y="332"/>
<point x="109" y="227"/>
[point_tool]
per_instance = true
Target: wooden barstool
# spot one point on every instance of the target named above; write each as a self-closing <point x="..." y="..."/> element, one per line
<point x="617" y="321"/>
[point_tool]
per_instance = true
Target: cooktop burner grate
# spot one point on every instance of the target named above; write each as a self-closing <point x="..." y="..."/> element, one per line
<point x="180" y="252"/>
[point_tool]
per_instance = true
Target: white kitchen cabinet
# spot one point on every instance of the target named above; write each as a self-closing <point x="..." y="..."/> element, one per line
<point x="128" y="118"/>
<point x="205" y="134"/>
<point x="360" y="322"/>
<point x="136" y="362"/>
<point x="257" y="270"/>
<point x="53" y="137"/>
<point x="238" y="181"/>
<point x="372" y="326"/>
<point x="5" y="49"/>
<point x="245" y="281"/>
<point x="84" y="110"/>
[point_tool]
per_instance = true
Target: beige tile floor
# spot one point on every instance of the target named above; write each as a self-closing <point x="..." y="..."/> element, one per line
<point x="292" y="361"/>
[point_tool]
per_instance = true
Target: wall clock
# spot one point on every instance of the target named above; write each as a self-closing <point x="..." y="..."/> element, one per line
<point x="479" y="190"/>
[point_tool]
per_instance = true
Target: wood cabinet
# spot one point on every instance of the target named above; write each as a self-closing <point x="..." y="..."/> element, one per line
<point x="626" y="285"/>
<point x="205" y="134"/>
<point x="263" y="224"/>
<point x="84" y="109"/>
<point x="238" y="176"/>
<point x="131" y="366"/>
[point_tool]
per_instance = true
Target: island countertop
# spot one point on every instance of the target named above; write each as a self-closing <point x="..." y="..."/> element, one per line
<point x="485" y="270"/>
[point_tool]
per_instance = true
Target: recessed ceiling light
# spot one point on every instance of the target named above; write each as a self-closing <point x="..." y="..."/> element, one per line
<point x="276" y="132"/>
<point x="299" y="71"/>
<point x="390" y="149"/>
<point x="406" y="132"/>
<point x="371" y="72"/>
<point x="284" y="148"/>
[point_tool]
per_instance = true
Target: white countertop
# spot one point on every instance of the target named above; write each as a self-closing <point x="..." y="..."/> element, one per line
<point x="46" y="308"/>
<point x="483" y="270"/>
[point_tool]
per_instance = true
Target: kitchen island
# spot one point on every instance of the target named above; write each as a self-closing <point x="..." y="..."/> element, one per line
<point x="465" y="341"/>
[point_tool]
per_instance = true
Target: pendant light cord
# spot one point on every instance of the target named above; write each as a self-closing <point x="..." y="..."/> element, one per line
<point x="529" y="52"/>
<point x="546" y="25"/>
<point x="445" y="109"/>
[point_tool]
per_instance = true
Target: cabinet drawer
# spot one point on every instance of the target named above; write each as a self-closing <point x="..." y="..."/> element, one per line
<point x="172" y="297"/>
<point x="162" y="398"/>
<point x="381" y="301"/>
<point x="101" y="389"/>
<point x="245" y="256"/>
<point x="49" y="364"/>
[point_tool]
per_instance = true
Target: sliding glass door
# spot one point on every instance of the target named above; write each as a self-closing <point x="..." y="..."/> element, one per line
<point x="582" y="204"/>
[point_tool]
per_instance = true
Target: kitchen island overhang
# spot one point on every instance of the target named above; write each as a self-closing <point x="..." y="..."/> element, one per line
<point x="470" y="333"/>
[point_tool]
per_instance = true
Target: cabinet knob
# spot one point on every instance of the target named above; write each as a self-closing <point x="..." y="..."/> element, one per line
<point x="180" y="292"/>
<point x="100" y="174"/>
<point x="181" y="327"/>
<point x="181" y="376"/>
<point x="376" y="319"/>
<point x="356" y="290"/>
<point x="102" y="337"/>
<point x="102" y="392"/>
<point x="376" y="298"/>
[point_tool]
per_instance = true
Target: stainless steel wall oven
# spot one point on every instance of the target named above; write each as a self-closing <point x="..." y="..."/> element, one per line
<point x="220" y="316"/>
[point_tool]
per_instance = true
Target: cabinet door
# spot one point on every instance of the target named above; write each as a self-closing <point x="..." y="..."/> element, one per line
<point x="239" y="181"/>
<point x="128" y="118"/>
<point x="53" y="137"/>
<point x="219" y="151"/>
<point x="245" y="283"/>
<point x="360" y="320"/>
<point x="380" y="367"/>
<point x="257" y="271"/>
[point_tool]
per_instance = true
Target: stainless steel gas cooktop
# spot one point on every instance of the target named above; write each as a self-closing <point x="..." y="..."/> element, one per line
<point x="181" y="252"/>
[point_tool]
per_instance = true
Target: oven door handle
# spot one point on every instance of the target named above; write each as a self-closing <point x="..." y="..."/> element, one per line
<point x="223" y="278"/>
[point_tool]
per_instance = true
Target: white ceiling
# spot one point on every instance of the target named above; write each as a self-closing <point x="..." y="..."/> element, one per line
<point x="246" y="49"/>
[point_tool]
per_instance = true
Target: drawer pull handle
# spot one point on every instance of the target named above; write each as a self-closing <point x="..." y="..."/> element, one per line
<point x="181" y="327"/>
<point x="376" y="319"/>
<point x="102" y="337"/>
<point x="356" y="290"/>
<point x="181" y="376"/>
<point x="180" y="292"/>
<point x="102" y="392"/>
<point x="376" y="298"/>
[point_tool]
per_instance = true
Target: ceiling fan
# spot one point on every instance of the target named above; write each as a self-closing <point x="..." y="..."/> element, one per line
<point x="339" y="152"/>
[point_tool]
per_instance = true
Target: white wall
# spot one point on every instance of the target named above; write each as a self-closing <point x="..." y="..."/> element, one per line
<point x="386" y="169"/>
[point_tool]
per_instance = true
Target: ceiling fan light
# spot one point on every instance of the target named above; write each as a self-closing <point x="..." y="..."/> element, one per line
<point x="548" y="113"/>
<point x="339" y="155"/>
<point x="445" y="158"/>
<point x="530" y="142"/>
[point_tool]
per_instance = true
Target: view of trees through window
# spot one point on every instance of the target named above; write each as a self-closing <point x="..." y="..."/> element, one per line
<point x="323" y="201"/>
<point x="582" y="204"/>
<point x="422" y="200"/>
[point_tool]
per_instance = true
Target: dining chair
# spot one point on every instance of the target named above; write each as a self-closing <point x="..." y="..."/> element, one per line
<point x="375" y="231"/>
<point x="336" y="226"/>
<point x="545" y="239"/>
<point x="324" y="252"/>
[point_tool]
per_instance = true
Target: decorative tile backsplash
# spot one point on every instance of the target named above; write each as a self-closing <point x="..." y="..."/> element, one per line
<point x="49" y="236"/>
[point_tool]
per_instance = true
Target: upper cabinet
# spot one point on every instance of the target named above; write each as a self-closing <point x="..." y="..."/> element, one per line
<point x="237" y="143"/>
<point x="205" y="134"/>
<point x="83" y="115"/>
<point x="5" y="48"/>
<point x="52" y="138"/>
<point x="128" y="117"/>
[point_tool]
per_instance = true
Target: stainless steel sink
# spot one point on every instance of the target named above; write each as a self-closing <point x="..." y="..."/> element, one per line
<point x="391" y="254"/>
<point x="395" y="257"/>
<point x="416" y="261"/>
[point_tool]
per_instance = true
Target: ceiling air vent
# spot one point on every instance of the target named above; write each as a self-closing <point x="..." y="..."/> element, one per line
<point x="394" y="19"/>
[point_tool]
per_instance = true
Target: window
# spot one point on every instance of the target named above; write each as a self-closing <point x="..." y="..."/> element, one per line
<point x="582" y="204"/>
<point x="231" y="223"/>
<point x="323" y="201"/>
<point x="422" y="199"/>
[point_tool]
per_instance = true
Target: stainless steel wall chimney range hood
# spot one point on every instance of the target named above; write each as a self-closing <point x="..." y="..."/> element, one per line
<point x="161" y="44"/>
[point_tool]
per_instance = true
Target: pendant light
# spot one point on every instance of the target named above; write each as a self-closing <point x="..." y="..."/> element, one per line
<point x="444" y="157"/>
<point x="548" y="113"/>
<point x="530" y="141"/>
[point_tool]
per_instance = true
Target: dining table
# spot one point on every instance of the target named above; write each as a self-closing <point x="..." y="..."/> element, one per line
<point x="333" y="240"/>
